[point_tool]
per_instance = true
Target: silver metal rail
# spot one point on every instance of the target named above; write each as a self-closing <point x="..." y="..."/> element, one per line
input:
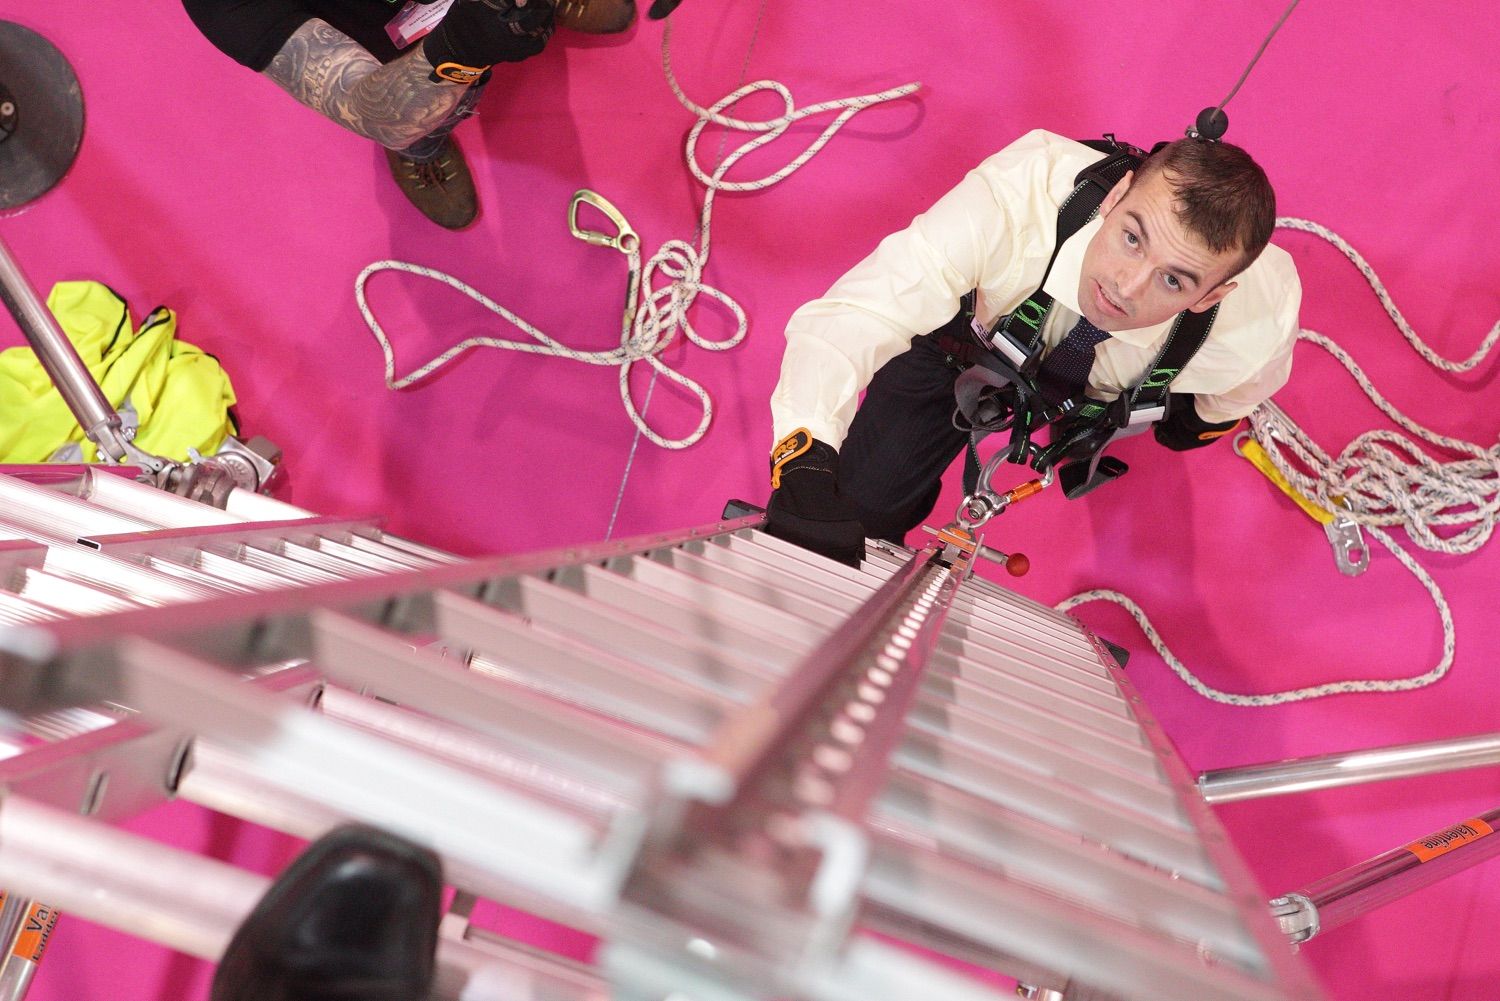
<point x="1329" y="771"/>
<point x="1337" y="899"/>
<point x="765" y="854"/>
<point x="60" y="360"/>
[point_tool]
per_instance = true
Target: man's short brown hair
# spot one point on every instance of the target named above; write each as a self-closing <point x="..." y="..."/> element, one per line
<point x="1223" y="196"/>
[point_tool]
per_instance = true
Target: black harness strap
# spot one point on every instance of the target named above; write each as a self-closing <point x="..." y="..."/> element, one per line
<point x="1077" y="448"/>
<point x="1020" y="330"/>
<point x="998" y="392"/>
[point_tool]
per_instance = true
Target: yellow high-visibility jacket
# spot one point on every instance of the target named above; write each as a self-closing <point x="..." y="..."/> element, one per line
<point x="178" y="396"/>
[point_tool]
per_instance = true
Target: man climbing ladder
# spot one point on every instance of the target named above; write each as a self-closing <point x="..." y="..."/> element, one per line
<point x="1184" y="234"/>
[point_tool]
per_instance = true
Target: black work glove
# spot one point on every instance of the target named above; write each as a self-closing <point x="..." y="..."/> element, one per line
<point x="1183" y="429"/>
<point x="805" y="506"/>
<point x="476" y="34"/>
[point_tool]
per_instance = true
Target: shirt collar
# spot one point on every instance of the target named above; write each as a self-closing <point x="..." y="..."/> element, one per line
<point x="1062" y="285"/>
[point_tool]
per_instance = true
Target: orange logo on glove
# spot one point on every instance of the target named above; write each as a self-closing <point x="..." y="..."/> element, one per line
<point x="459" y="73"/>
<point x="787" y="449"/>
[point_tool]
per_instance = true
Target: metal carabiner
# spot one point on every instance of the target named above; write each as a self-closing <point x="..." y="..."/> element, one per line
<point x="1350" y="554"/>
<point x="983" y="504"/>
<point x="624" y="239"/>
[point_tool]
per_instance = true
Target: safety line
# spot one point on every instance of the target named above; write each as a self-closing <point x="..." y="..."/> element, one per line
<point x="1256" y="58"/>
<point x="1382" y="479"/>
<point x="635" y="439"/>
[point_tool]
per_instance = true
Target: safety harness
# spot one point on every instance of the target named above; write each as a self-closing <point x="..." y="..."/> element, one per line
<point x="998" y="391"/>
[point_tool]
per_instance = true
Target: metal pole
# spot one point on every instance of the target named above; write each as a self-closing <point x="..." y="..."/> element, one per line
<point x="12" y="910"/>
<point x="60" y="359"/>
<point x="12" y="913"/>
<point x="1338" y="899"/>
<point x="24" y="951"/>
<point x="194" y="905"/>
<point x="1327" y="771"/>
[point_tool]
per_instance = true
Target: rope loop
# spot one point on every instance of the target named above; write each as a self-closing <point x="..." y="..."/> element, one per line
<point x="662" y="291"/>
<point x="1382" y="478"/>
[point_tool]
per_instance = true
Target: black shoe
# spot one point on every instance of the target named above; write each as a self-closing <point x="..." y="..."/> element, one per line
<point x="353" y="918"/>
<point x="441" y="188"/>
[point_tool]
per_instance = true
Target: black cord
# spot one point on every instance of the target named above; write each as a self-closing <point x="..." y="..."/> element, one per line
<point x="1207" y="124"/>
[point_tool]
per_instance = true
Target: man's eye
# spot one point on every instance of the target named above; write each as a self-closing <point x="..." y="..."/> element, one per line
<point x="1131" y="240"/>
<point x="1172" y="283"/>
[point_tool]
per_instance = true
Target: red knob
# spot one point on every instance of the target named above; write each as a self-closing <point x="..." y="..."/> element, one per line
<point x="1017" y="564"/>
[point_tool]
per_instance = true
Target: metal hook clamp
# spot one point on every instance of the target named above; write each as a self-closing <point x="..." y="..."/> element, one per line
<point x="624" y="239"/>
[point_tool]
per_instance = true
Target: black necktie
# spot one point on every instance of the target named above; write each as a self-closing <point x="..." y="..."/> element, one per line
<point x="1065" y="371"/>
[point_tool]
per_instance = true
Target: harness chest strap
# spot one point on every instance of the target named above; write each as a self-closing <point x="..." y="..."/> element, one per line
<point x="1080" y="448"/>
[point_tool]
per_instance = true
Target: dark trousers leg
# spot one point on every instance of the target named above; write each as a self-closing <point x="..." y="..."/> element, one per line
<point x="429" y="146"/>
<point x="901" y="440"/>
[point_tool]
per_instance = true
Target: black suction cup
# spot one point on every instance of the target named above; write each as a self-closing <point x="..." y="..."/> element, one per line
<point x="41" y="115"/>
<point x="1212" y="123"/>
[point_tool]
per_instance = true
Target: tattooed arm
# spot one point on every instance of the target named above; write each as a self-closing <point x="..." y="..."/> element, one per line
<point x="394" y="104"/>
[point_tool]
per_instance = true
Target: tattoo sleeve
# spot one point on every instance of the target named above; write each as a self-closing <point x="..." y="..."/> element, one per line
<point x="394" y="104"/>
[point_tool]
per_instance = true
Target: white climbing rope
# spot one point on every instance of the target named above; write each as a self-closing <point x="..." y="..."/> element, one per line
<point x="1383" y="478"/>
<point x="652" y="319"/>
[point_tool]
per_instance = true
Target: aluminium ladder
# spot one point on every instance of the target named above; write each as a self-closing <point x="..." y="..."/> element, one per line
<point x="752" y="772"/>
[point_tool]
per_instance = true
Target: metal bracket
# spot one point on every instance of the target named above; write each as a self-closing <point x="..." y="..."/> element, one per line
<point x="254" y="464"/>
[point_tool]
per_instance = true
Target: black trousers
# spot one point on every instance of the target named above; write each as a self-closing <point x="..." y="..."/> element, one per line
<point x="902" y="439"/>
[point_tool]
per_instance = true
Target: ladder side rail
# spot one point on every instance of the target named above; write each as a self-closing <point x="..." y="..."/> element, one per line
<point x="1241" y="887"/>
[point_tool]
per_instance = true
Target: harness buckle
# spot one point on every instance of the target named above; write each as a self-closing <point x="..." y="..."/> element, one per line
<point x="1007" y="346"/>
<point x="624" y="239"/>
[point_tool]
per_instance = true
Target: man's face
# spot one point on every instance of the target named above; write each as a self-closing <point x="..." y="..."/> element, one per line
<point x="1144" y="266"/>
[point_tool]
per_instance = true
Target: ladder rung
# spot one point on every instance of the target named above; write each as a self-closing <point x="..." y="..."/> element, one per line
<point x="671" y="611"/>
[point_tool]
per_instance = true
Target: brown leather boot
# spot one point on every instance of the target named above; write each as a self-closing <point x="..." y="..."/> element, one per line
<point x="596" y="17"/>
<point x="441" y="188"/>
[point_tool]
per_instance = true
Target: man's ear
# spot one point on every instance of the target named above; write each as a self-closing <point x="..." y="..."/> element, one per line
<point x="1213" y="297"/>
<point x="1115" y="194"/>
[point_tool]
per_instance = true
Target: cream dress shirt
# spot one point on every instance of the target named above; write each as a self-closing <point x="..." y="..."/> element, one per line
<point x="994" y="233"/>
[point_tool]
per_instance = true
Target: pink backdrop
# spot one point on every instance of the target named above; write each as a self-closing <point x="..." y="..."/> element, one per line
<point x="203" y="187"/>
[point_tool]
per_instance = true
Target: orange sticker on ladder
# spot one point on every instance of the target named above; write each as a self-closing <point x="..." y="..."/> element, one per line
<point x="1449" y="838"/>
<point x="35" y="930"/>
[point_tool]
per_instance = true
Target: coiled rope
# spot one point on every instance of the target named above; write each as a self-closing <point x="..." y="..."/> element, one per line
<point x="651" y="321"/>
<point x="1383" y="478"/>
